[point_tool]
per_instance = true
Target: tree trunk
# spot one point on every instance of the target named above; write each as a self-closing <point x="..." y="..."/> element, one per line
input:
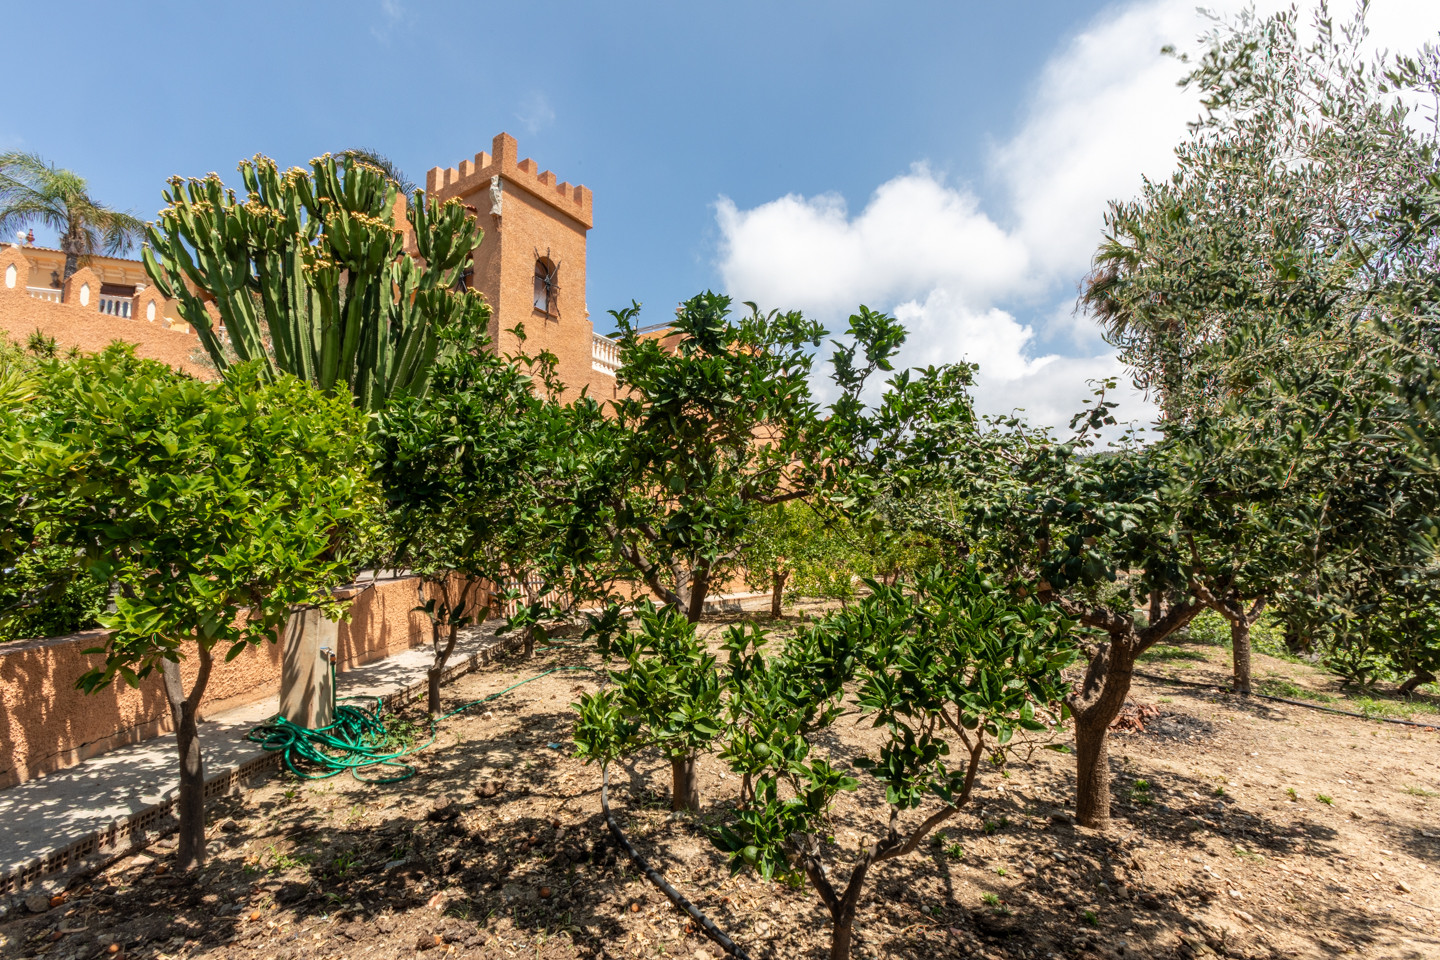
<point x="684" y="784"/>
<point x="1156" y="599"/>
<point x="436" y="672"/>
<point x="1092" y="770"/>
<point x="1421" y="676"/>
<point x="432" y="698"/>
<point x="532" y="597"/>
<point x="843" y="934"/>
<point x="190" y="805"/>
<point x="777" y="594"/>
<point x="1240" y="654"/>
<point x="699" y="590"/>
<point x="72" y="257"/>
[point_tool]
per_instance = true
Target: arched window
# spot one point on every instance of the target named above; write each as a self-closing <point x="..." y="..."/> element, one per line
<point x="545" y="286"/>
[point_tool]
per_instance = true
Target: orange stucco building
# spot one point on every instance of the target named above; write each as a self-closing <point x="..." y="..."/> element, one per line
<point x="530" y="267"/>
<point x="531" y="264"/>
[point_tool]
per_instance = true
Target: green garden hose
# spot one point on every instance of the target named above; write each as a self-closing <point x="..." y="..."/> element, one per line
<point x="357" y="739"/>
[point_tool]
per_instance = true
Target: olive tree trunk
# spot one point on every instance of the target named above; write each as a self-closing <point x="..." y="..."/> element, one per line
<point x="190" y="805"/>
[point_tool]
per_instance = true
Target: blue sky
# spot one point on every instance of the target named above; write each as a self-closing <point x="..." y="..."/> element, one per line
<point x="946" y="161"/>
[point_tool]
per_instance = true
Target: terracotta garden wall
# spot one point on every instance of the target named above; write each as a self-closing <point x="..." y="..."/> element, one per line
<point x="46" y="724"/>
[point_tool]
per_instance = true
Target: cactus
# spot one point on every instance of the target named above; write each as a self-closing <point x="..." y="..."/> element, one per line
<point x="310" y="276"/>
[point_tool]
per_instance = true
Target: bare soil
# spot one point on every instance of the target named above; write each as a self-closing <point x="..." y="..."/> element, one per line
<point x="1243" y="828"/>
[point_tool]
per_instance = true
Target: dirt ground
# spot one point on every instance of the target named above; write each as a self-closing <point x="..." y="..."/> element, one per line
<point x="1242" y="828"/>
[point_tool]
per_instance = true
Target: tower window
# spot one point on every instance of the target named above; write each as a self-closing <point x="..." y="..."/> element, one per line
<point x="545" y="286"/>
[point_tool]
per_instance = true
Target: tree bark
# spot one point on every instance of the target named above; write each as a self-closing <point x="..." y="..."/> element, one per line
<point x="843" y="934"/>
<point x="1095" y="706"/>
<point x="699" y="590"/>
<point x="432" y="696"/>
<point x="777" y="594"/>
<point x="1240" y="654"/>
<point x="1421" y="676"/>
<point x="842" y="906"/>
<point x="684" y="784"/>
<point x="1092" y="770"/>
<point x="70" y="245"/>
<point x="436" y="672"/>
<point x="190" y="805"/>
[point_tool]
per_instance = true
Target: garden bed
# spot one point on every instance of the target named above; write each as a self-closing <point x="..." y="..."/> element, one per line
<point x="1245" y="828"/>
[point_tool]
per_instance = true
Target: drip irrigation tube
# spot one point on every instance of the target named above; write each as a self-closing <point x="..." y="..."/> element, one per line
<point x="657" y="878"/>
<point x="1294" y="703"/>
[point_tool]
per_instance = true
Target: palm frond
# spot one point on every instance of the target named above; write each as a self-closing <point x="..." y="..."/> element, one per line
<point x="385" y="165"/>
<point x="35" y="192"/>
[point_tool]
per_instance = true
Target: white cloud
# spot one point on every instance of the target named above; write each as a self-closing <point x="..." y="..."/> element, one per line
<point x="915" y="233"/>
<point x="392" y="16"/>
<point x="535" y="113"/>
<point x="1104" y="111"/>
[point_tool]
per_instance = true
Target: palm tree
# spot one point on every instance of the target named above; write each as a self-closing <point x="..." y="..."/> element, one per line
<point x="385" y="165"/>
<point x="33" y="191"/>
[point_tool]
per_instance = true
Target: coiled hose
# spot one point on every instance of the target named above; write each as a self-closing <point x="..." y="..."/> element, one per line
<point x="358" y="739"/>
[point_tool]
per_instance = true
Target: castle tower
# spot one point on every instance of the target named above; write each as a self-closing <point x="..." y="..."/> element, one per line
<point x="531" y="264"/>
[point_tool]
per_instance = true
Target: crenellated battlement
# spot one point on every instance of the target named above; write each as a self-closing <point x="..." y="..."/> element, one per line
<point x="474" y="175"/>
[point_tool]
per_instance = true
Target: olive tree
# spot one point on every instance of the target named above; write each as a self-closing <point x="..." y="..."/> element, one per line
<point x="1256" y="292"/>
<point x="215" y="509"/>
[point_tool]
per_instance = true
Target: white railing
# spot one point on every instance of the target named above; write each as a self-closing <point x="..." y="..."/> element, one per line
<point x="44" y="293"/>
<point x="604" y="354"/>
<point x="115" y="306"/>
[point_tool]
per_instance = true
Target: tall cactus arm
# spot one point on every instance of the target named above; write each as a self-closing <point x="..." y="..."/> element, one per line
<point x="192" y="308"/>
<point x="310" y="274"/>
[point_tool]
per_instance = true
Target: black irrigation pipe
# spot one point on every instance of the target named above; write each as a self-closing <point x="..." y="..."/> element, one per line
<point x="1294" y="703"/>
<point x="657" y="878"/>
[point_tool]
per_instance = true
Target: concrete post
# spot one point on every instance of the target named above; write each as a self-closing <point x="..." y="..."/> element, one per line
<point x="306" y="689"/>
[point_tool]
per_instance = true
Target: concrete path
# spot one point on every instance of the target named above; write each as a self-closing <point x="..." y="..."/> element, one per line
<point x="114" y="802"/>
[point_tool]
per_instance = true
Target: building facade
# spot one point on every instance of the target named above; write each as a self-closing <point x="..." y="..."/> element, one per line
<point x="530" y="267"/>
<point x="531" y="264"/>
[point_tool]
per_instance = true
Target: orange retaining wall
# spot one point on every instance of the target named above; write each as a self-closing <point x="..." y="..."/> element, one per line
<point x="46" y="724"/>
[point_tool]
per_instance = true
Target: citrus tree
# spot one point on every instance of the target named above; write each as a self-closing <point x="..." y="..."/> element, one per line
<point x="215" y="509"/>
<point x="949" y="669"/>
<point x="476" y="477"/>
<point x="716" y="425"/>
<point x="669" y="696"/>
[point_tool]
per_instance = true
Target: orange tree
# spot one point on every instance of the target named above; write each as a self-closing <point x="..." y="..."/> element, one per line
<point x="716" y="424"/>
<point x="949" y="669"/>
<point x="214" y="508"/>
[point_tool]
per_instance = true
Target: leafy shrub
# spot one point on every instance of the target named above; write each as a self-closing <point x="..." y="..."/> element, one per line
<point x="46" y="594"/>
